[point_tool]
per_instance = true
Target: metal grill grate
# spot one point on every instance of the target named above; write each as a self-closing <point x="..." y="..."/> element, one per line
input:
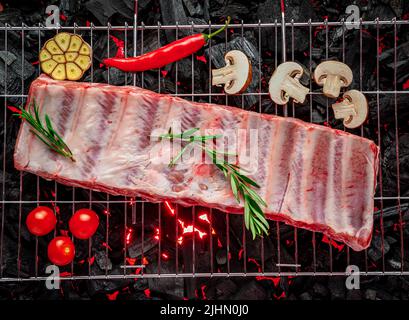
<point x="134" y="210"/>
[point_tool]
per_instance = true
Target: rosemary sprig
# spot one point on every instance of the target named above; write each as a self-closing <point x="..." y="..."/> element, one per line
<point x="241" y="185"/>
<point x="45" y="133"/>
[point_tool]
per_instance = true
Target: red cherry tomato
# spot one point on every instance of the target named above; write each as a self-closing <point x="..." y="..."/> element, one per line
<point x="84" y="223"/>
<point x="61" y="251"/>
<point x="41" y="221"/>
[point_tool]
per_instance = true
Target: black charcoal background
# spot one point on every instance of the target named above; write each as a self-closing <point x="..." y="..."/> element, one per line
<point x="92" y="259"/>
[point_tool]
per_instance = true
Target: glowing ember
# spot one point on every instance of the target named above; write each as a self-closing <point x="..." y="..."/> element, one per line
<point x="131" y="261"/>
<point x="171" y="210"/>
<point x="204" y="217"/>
<point x="281" y="296"/>
<point x="186" y="229"/>
<point x="132" y="201"/>
<point x="128" y="236"/>
<point x="398" y="225"/>
<point x="382" y="45"/>
<point x="241" y="253"/>
<point x="203" y="288"/>
<point x="165" y="256"/>
<point x="105" y="245"/>
<point x="63" y="17"/>
<point x="219" y="243"/>
<point x="55" y="207"/>
<point x="406" y="85"/>
<point x="189" y="229"/>
<point x="255" y="262"/>
<point x="275" y="280"/>
<point x="112" y="296"/>
<point x="157" y="234"/>
<point x="145" y="261"/>
<point x="201" y="58"/>
<point x="147" y="293"/>
<point x="65" y="274"/>
<point x="318" y="29"/>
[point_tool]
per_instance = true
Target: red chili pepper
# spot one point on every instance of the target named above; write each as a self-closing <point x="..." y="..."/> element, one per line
<point x="169" y="53"/>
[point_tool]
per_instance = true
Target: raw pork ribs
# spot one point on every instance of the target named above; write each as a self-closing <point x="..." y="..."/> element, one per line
<point x="311" y="176"/>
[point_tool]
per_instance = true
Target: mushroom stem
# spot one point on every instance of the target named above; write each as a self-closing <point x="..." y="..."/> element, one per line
<point x="333" y="75"/>
<point x="353" y="109"/>
<point x="332" y="86"/>
<point x="343" y="109"/>
<point x="222" y="75"/>
<point x="236" y="75"/>
<point x="285" y="84"/>
<point x="293" y="88"/>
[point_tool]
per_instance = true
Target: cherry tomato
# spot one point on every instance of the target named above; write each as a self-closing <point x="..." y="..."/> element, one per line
<point x="61" y="251"/>
<point x="41" y="221"/>
<point x="84" y="223"/>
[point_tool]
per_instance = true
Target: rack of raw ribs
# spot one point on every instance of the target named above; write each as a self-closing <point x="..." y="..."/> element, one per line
<point x="118" y="140"/>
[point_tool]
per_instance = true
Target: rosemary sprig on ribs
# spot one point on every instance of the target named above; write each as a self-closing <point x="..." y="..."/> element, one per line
<point x="45" y="132"/>
<point x="242" y="186"/>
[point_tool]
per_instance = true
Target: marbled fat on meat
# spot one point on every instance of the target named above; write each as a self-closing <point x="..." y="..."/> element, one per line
<point x="311" y="176"/>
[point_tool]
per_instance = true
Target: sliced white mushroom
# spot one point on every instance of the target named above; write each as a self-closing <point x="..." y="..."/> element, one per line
<point x="333" y="75"/>
<point x="353" y="109"/>
<point x="284" y="84"/>
<point x="236" y="75"/>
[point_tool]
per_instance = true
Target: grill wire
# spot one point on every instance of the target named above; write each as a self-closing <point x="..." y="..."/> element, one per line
<point x="283" y="268"/>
